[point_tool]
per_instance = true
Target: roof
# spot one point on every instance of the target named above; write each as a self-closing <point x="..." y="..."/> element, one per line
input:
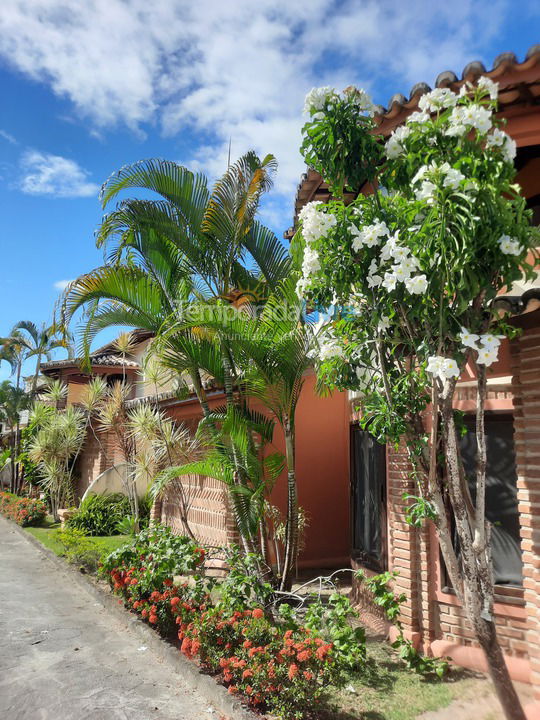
<point x="519" y="84"/>
<point x="101" y="359"/>
<point x="105" y="356"/>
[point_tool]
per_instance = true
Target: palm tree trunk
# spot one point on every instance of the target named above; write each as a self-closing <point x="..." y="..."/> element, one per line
<point x="291" y="530"/>
<point x="36" y="374"/>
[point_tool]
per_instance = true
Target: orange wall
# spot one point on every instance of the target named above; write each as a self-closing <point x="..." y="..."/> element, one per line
<point x="322" y="468"/>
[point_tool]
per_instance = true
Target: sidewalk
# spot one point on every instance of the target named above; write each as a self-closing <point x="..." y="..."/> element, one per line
<point x="63" y="657"/>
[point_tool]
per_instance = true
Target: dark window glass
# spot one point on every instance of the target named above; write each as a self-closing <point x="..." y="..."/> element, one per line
<point x="501" y="493"/>
<point x="368" y="499"/>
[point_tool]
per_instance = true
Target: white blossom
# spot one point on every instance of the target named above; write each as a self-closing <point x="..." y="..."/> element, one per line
<point x="418" y="117"/>
<point x="471" y="116"/>
<point x="329" y="350"/>
<point x="384" y="323"/>
<point x="374" y="281"/>
<point x="389" y="282"/>
<point x="452" y="176"/>
<point x="441" y="367"/>
<point x="317" y="98"/>
<point x="315" y="224"/>
<point x="468" y="339"/>
<point x="498" y="138"/>
<point x="368" y="236"/>
<point x="426" y="192"/>
<point x="394" y="146"/>
<point x="492" y="88"/>
<point x="401" y="272"/>
<point x="417" y="284"/>
<point x="487" y="356"/>
<point x="437" y="99"/>
<point x="311" y="263"/>
<point x="509" y="246"/>
<point x="490" y="341"/>
<point x="360" y="98"/>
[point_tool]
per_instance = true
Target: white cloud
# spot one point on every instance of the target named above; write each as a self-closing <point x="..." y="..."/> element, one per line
<point x="7" y="136"/>
<point x="47" y="174"/>
<point x="236" y="70"/>
<point x="61" y="284"/>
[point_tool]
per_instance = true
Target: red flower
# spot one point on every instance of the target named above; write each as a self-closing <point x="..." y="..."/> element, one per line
<point x="304" y="655"/>
<point x="231" y="689"/>
<point x="293" y="671"/>
<point x="257" y="613"/>
<point x="247" y="644"/>
<point x="168" y="582"/>
<point x="153" y="619"/>
<point x="247" y="673"/>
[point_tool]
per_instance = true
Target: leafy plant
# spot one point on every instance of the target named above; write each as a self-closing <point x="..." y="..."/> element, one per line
<point x="100" y="514"/>
<point x="79" y="549"/>
<point x="23" y="511"/>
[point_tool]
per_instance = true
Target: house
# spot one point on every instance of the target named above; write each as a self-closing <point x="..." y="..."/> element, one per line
<point x="322" y="456"/>
<point x="380" y="537"/>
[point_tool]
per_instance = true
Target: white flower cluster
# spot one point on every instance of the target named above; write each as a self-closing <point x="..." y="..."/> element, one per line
<point x="403" y="263"/>
<point x="317" y="98"/>
<point x="438" y="99"/>
<point x="509" y="246"/>
<point x="450" y="178"/>
<point x="464" y="118"/>
<point x="315" y="225"/>
<point x="441" y="367"/>
<point x="360" y="98"/>
<point x="490" y="87"/>
<point x="487" y="346"/>
<point x="498" y="138"/>
<point x="394" y="146"/>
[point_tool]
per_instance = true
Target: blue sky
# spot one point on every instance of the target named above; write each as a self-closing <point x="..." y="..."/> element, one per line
<point x="89" y="87"/>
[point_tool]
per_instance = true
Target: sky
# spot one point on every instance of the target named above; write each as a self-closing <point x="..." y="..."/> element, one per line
<point x="87" y="87"/>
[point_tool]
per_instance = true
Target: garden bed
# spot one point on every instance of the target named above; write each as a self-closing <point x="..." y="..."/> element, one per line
<point x="47" y="534"/>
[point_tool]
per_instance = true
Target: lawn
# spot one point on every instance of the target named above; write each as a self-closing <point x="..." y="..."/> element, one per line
<point x="47" y="533"/>
<point x="389" y="691"/>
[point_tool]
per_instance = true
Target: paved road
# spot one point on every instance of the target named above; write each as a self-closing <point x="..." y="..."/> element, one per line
<point x="62" y="657"/>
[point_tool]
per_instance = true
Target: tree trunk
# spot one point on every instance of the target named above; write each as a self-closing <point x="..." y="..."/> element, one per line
<point x="291" y="530"/>
<point x="36" y="375"/>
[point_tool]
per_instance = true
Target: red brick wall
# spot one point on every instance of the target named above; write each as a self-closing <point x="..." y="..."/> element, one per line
<point x="525" y="353"/>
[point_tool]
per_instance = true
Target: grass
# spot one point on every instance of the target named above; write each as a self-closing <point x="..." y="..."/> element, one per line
<point x="389" y="691"/>
<point x="47" y="534"/>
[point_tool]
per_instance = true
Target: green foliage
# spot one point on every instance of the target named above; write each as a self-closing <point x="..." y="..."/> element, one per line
<point x="22" y="510"/>
<point x="100" y="514"/>
<point x="242" y="587"/>
<point x="384" y="597"/>
<point x="79" y="549"/>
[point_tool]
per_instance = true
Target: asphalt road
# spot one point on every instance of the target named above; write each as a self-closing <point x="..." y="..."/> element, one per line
<point x="63" y="657"/>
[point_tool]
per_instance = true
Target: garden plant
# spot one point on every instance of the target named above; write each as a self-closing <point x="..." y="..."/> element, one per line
<point x="413" y="268"/>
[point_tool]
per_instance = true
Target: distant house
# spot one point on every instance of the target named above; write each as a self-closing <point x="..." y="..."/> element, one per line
<point x="379" y="476"/>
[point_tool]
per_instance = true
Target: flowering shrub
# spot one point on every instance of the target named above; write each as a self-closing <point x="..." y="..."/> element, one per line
<point x="24" y="511"/>
<point x="283" y="667"/>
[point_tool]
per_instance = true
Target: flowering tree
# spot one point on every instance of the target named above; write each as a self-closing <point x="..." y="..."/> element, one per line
<point x="414" y="265"/>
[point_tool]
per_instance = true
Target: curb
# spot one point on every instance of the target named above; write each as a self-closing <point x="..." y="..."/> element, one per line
<point x="212" y="692"/>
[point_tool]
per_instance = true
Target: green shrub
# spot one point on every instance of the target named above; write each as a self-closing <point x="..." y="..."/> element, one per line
<point x="79" y="549"/>
<point x="100" y="514"/>
<point x="24" y="511"/>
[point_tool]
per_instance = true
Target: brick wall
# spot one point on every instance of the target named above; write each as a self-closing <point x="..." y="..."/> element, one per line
<point x="208" y="512"/>
<point x="525" y="357"/>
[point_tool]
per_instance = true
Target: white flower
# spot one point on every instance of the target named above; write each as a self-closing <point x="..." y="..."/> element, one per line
<point x="417" y="284"/>
<point x="369" y="236"/>
<point x="509" y="246"/>
<point x="301" y="286"/>
<point x="401" y="272"/>
<point x="455" y="130"/>
<point x="360" y="98"/>
<point x="389" y="248"/>
<point x="437" y="99"/>
<point x="389" y="282"/>
<point x="311" y="263"/>
<point x="498" y="138"/>
<point x="442" y="367"/>
<point x="318" y="116"/>
<point x="317" y="98"/>
<point x="490" y="342"/>
<point x="384" y="323"/>
<point x="315" y="224"/>
<point x="420" y="175"/>
<point x="452" y="176"/>
<point x="329" y="350"/>
<point x="400" y="253"/>
<point x="410" y="263"/>
<point x="394" y="146"/>
<point x="418" y="117"/>
<point x="489" y="86"/>
<point x="487" y="356"/>
<point x="374" y="281"/>
<point x="426" y="192"/>
<point x="468" y="339"/>
<point x="373" y="267"/>
<point x="472" y="116"/>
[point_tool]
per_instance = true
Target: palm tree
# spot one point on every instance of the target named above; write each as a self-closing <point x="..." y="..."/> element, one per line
<point x="273" y="354"/>
<point x="13" y="400"/>
<point x="190" y="248"/>
<point x="39" y="342"/>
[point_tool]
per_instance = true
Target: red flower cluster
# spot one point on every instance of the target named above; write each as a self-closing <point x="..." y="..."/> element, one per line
<point x="281" y="671"/>
<point x="24" y="511"/>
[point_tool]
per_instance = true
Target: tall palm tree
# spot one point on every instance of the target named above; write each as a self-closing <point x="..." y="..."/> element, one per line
<point x="13" y="400"/>
<point x="191" y="247"/>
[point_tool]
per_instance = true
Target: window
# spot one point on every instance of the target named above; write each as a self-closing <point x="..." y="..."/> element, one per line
<point x="368" y="499"/>
<point x="501" y="493"/>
